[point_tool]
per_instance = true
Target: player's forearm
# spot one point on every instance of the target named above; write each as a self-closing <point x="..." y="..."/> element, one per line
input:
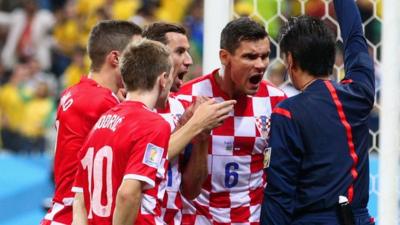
<point x="127" y="207"/>
<point x="182" y="137"/>
<point x="79" y="216"/>
<point x="196" y="171"/>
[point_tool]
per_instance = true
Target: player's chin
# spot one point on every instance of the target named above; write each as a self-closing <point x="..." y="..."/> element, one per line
<point x="175" y="87"/>
<point x="251" y="91"/>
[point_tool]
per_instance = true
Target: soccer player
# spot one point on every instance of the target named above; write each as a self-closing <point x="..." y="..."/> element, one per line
<point x="205" y="116"/>
<point x="81" y="106"/>
<point x="232" y="192"/>
<point x="123" y="161"/>
<point x="319" y="138"/>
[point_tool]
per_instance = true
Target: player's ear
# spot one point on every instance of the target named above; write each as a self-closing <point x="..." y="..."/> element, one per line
<point x="163" y="79"/>
<point x="113" y="58"/>
<point x="224" y="57"/>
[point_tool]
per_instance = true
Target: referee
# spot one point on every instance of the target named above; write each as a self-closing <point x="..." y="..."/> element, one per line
<point x="319" y="138"/>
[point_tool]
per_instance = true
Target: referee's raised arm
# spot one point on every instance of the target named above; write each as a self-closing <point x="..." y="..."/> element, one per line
<point x="358" y="65"/>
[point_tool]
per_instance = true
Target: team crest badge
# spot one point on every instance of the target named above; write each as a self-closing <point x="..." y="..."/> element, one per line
<point x="175" y="118"/>
<point x="263" y="124"/>
<point x="153" y="155"/>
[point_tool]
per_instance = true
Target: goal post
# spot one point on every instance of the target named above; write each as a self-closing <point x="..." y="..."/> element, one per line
<point x="389" y="170"/>
<point x="217" y="13"/>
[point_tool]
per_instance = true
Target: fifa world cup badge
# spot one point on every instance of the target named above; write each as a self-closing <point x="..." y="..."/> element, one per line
<point x="153" y="155"/>
<point x="267" y="157"/>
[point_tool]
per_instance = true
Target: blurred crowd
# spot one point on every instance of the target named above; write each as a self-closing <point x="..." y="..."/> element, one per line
<point x="43" y="44"/>
<point x="43" y="51"/>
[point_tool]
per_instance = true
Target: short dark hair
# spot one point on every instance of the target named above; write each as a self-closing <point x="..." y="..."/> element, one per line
<point x="142" y="62"/>
<point x="311" y="44"/>
<point x="156" y="31"/>
<point x="241" y="29"/>
<point x="107" y="36"/>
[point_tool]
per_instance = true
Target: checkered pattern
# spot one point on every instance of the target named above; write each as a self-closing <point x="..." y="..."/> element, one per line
<point x="172" y="203"/>
<point x="59" y="212"/>
<point x="233" y="191"/>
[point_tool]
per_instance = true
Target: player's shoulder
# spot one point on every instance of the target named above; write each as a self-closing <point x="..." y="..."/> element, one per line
<point x="269" y="89"/>
<point x="177" y="104"/>
<point x="141" y="114"/>
<point x="150" y="121"/>
<point x="198" y="79"/>
<point x="91" y="95"/>
<point x="188" y="86"/>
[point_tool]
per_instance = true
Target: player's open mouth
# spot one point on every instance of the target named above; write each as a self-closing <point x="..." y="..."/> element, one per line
<point x="255" y="79"/>
<point x="181" y="75"/>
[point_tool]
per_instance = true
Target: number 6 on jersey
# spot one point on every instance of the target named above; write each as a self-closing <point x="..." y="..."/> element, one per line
<point x="231" y="177"/>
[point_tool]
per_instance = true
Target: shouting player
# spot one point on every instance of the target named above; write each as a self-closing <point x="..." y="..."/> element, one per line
<point x="232" y="192"/>
<point x="206" y="116"/>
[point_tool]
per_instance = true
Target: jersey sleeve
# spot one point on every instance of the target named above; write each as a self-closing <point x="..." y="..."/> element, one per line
<point x="285" y="158"/>
<point x="81" y="175"/>
<point x="77" y="187"/>
<point x="357" y="62"/>
<point x="148" y="154"/>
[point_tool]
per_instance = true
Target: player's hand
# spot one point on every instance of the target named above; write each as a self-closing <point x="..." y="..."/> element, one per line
<point x="210" y="114"/>
<point x="190" y="110"/>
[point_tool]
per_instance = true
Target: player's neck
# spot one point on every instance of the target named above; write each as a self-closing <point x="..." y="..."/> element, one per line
<point x="104" y="79"/>
<point x="149" y="98"/>
<point x="224" y="82"/>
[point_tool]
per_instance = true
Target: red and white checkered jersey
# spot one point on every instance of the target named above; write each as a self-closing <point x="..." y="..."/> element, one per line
<point x="80" y="107"/>
<point x="128" y="142"/>
<point x="172" y="203"/>
<point x="233" y="190"/>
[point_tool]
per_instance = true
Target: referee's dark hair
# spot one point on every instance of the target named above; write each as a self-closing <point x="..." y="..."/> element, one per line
<point x="241" y="29"/>
<point x="157" y="31"/>
<point x="311" y="44"/>
<point x="107" y="36"/>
